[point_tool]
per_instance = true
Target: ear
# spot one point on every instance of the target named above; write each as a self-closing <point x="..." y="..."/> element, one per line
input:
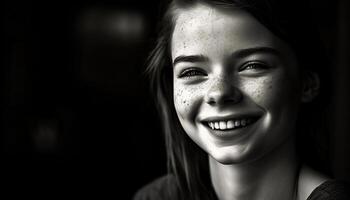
<point x="311" y="86"/>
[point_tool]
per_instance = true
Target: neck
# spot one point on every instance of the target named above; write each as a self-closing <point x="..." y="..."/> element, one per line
<point x="272" y="176"/>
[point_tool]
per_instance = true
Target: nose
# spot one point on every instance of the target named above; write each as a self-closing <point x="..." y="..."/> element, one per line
<point x="222" y="91"/>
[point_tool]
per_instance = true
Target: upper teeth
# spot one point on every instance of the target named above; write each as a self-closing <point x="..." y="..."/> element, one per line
<point x="229" y="124"/>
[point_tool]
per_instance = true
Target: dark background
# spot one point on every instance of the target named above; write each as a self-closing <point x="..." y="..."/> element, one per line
<point x="77" y="114"/>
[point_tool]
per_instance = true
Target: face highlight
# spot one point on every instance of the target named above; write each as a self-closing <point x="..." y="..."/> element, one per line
<point x="236" y="85"/>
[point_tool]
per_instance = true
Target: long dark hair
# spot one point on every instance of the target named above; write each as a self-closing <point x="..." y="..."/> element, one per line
<point x="288" y="20"/>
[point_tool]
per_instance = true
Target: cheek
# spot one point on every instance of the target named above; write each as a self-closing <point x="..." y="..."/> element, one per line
<point x="259" y="90"/>
<point x="186" y="98"/>
<point x="181" y="102"/>
<point x="271" y="91"/>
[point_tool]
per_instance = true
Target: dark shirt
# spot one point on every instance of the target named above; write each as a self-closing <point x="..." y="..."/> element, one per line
<point x="331" y="190"/>
<point x="164" y="188"/>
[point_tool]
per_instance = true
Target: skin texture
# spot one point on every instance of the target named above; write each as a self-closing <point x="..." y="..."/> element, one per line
<point x="213" y="80"/>
<point x="220" y="87"/>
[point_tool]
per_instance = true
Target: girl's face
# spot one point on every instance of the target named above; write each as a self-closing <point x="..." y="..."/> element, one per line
<point x="236" y="85"/>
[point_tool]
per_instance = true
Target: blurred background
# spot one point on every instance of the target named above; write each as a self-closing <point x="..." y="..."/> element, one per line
<point x="77" y="114"/>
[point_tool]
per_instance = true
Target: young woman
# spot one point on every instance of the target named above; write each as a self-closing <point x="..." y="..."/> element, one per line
<point x="238" y="86"/>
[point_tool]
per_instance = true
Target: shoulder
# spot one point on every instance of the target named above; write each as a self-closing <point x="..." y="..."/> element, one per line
<point x="316" y="186"/>
<point x="331" y="190"/>
<point x="309" y="180"/>
<point x="160" y="188"/>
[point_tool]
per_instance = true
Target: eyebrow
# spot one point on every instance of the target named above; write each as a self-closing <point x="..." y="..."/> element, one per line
<point x="254" y="50"/>
<point x="237" y="54"/>
<point x="190" y="58"/>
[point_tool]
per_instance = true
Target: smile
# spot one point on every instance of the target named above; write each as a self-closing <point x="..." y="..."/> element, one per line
<point x="230" y="124"/>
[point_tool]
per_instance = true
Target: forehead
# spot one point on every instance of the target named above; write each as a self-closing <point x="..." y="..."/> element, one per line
<point x="203" y="29"/>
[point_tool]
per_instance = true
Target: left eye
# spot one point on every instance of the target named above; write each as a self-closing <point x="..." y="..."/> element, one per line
<point x="253" y="67"/>
<point x="191" y="72"/>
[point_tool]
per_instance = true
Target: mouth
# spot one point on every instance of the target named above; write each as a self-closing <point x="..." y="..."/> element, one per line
<point x="231" y="124"/>
<point x="231" y="127"/>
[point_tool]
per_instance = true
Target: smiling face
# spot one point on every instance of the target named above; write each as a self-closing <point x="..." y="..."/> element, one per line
<point x="236" y="85"/>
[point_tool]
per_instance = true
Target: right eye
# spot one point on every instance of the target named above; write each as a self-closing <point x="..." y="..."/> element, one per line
<point x="191" y="72"/>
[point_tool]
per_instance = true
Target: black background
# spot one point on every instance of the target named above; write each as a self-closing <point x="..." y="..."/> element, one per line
<point x="78" y="118"/>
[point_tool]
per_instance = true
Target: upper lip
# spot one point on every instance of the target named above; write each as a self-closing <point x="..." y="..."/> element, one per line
<point x="230" y="117"/>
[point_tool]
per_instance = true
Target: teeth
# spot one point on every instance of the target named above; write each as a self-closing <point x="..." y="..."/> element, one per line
<point x="216" y="125"/>
<point x="237" y="123"/>
<point x="211" y="125"/>
<point x="230" y="124"/>
<point x="222" y="125"/>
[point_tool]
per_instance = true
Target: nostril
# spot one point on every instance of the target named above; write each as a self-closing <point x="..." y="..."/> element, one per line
<point x="223" y="95"/>
<point x="225" y="99"/>
<point x="211" y="101"/>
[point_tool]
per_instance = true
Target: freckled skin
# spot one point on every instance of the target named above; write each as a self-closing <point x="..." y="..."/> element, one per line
<point x="273" y="92"/>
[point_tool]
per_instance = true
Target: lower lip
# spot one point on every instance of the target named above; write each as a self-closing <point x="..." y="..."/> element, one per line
<point x="232" y="133"/>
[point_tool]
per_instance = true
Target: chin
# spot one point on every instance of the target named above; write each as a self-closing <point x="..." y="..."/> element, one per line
<point x="232" y="155"/>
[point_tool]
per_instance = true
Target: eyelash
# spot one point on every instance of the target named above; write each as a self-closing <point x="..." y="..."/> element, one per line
<point x="191" y="72"/>
<point x="254" y="66"/>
